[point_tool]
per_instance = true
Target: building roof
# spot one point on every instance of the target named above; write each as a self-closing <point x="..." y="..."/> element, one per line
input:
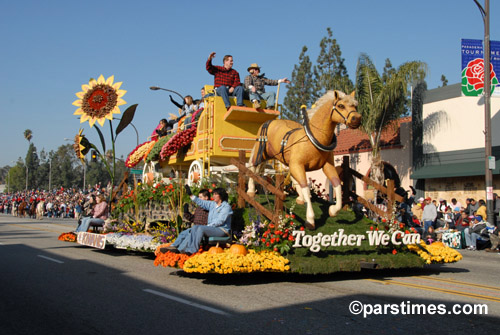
<point x="355" y="140"/>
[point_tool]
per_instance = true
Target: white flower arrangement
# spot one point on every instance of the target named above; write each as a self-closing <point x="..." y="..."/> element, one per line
<point x="132" y="242"/>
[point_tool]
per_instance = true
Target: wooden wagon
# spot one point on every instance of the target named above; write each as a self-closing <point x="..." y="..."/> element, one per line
<point x="220" y="135"/>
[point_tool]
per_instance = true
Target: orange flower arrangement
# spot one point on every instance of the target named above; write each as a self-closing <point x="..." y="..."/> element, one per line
<point x="67" y="237"/>
<point x="171" y="259"/>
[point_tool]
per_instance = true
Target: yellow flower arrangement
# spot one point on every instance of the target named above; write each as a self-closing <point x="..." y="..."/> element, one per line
<point x="436" y="252"/>
<point x="139" y="153"/>
<point x="99" y="100"/>
<point x="227" y="262"/>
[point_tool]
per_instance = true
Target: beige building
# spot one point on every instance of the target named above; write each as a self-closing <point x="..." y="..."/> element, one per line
<point x="451" y="162"/>
<point x="395" y="152"/>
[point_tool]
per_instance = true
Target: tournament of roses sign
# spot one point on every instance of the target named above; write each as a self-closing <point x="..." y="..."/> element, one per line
<point x="473" y="67"/>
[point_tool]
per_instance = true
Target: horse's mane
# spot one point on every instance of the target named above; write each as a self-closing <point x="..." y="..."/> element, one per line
<point x="327" y="97"/>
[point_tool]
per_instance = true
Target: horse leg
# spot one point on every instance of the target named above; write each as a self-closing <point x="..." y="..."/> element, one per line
<point x="254" y="169"/>
<point x="299" y="173"/>
<point x="332" y="175"/>
<point x="300" y="198"/>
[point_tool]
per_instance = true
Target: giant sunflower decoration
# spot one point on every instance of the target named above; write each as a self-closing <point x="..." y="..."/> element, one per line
<point x="81" y="145"/>
<point x="99" y="100"/>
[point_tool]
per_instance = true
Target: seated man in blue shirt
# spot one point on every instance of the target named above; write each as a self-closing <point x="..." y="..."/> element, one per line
<point x="219" y="222"/>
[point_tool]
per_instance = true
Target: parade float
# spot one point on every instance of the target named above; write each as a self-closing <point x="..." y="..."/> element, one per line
<point x="293" y="231"/>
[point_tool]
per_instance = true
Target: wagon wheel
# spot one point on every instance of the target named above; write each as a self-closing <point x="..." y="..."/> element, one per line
<point x="195" y="173"/>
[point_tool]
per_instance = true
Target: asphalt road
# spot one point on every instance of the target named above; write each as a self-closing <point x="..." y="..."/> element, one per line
<point x="53" y="287"/>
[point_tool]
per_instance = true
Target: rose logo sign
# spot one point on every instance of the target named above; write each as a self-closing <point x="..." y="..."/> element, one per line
<point x="473" y="78"/>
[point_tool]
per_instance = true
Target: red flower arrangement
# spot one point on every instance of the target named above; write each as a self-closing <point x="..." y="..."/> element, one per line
<point x="179" y="140"/>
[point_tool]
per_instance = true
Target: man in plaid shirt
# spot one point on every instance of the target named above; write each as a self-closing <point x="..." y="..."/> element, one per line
<point x="255" y="84"/>
<point x="226" y="80"/>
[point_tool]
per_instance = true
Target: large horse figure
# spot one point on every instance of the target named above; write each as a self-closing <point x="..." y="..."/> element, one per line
<point x="309" y="147"/>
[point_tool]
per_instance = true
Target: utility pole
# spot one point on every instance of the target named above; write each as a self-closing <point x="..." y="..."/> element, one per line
<point x="489" y="159"/>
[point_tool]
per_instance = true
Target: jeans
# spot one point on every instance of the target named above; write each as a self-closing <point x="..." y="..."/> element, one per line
<point x="223" y="92"/>
<point x="471" y="237"/>
<point x="192" y="239"/>
<point x="86" y="221"/>
<point x="270" y="97"/>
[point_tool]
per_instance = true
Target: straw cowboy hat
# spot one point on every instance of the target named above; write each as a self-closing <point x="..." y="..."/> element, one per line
<point x="253" y="66"/>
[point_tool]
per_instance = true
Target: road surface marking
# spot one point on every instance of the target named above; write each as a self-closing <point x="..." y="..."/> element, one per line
<point x="187" y="302"/>
<point x="435" y="289"/>
<point x="51" y="259"/>
<point x="461" y="283"/>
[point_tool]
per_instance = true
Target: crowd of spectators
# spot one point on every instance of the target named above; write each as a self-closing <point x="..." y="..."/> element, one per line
<point x="58" y="203"/>
<point x="434" y="218"/>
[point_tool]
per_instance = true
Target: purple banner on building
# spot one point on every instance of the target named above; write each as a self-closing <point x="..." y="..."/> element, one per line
<point x="473" y="67"/>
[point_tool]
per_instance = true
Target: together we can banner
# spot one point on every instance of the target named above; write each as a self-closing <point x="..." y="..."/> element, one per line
<point x="473" y="68"/>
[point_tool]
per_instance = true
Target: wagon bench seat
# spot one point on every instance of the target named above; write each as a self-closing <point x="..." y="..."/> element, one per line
<point x="239" y="113"/>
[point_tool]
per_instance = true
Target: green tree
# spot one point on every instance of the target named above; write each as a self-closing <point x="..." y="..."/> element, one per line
<point x="32" y="163"/>
<point x="381" y="101"/>
<point x="17" y="177"/>
<point x="28" y="135"/>
<point x="64" y="163"/>
<point x="444" y="81"/>
<point x="300" y="90"/>
<point x="330" y="73"/>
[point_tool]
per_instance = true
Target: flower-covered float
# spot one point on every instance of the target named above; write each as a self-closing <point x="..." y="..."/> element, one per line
<point x="148" y="216"/>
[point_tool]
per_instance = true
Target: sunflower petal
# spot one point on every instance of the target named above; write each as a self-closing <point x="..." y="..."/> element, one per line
<point x="116" y="110"/>
<point x="110" y="80"/>
<point x="77" y="102"/>
<point x="84" y="118"/>
<point x="101" y="121"/>
<point x="120" y="93"/>
<point x="92" y="121"/>
<point x="85" y="88"/>
<point x="80" y="95"/>
<point x="117" y="85"/>
<point x="79" y="111"/>
<point x="120" y="102"/>
<point x="109" y="116"/>
<point x="101" y="80"/>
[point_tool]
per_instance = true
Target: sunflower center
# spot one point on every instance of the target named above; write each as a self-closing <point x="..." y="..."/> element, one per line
<point x="99" y="101"/>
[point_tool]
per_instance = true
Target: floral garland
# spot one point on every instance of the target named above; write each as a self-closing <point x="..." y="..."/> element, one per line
<point x="179" y="140"/>
<point x="138" y="153"/>
<point x="154" y="154"/>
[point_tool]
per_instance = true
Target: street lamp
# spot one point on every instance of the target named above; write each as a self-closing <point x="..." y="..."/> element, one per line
<point x="488" y="174"/>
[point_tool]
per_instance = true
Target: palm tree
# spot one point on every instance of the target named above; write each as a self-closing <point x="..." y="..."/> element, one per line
<point x="28" y="134"/>
<point x="383" y="99"/>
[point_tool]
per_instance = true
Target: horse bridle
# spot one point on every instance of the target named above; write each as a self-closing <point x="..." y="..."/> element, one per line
<point x="334" y="108"/>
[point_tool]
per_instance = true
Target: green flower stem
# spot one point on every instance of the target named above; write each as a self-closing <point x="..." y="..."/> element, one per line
<point x="113" y="158"/>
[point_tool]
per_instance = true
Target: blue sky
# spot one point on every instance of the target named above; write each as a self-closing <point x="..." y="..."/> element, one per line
<point x="50" y="48"/>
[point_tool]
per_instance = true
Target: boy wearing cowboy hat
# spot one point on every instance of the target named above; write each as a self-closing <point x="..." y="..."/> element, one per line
<point x="255" y="85"/>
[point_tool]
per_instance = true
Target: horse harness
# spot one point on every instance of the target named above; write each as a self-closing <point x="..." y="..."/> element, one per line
<point x="310" y="135"/>
<point x="262" y="139"/>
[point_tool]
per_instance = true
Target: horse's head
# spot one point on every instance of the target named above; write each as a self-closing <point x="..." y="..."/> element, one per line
<point x="344" y="110"/>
